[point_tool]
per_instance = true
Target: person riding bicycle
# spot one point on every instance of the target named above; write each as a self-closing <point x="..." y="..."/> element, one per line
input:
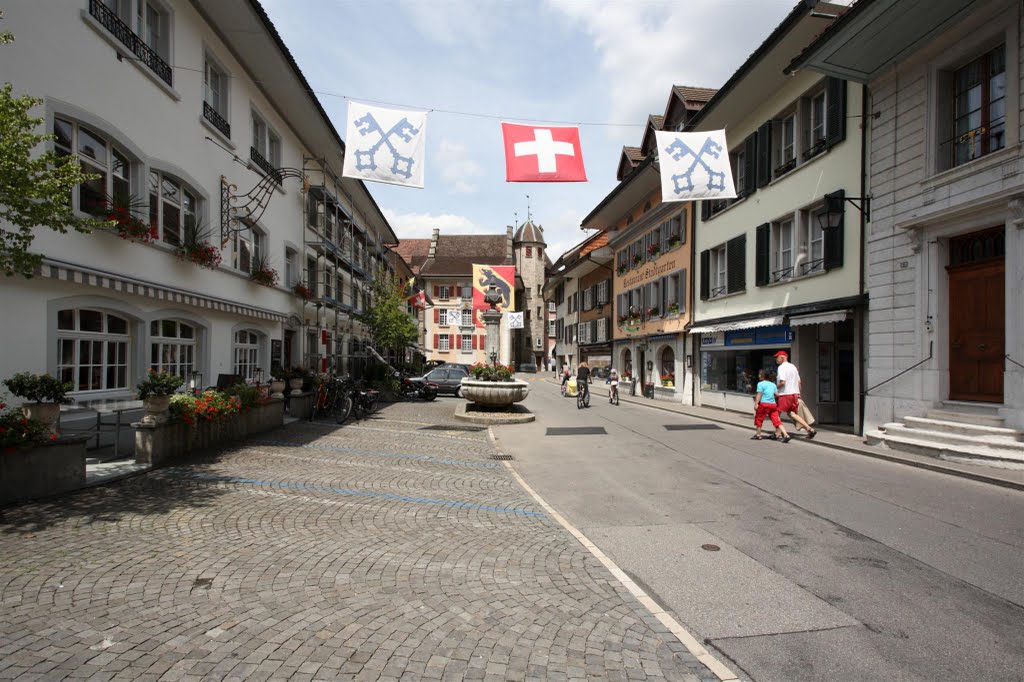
<point x="613" y="382"/>
<point x="583" y="378"/>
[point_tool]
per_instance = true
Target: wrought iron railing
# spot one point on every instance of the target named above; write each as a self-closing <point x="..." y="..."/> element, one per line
<point x="812" y="266"/>
<point x="218" y="121"/>
<point x="717" y="291"/>
<point x="784" y="273"/>
<point x="264" y="165"/>
<point x="123" y="32"/>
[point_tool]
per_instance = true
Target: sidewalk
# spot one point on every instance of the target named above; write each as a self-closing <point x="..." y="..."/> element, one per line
<point x="996" y="473"/>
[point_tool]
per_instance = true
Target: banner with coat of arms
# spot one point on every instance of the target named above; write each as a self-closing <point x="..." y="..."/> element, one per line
<point x="503" y="277"/>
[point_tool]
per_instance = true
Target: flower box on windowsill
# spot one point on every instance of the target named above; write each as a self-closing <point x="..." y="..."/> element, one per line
<point x="264" y="276"/>
<point x="674" y="244"/>
<point x="203" y="254"/>
<point x="817" y="148"/>
<point x="784" y="168"/>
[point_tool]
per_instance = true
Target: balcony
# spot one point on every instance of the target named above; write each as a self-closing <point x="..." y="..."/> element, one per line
<point x="120" y="30"/>
<point x="218" y="121"/>
<point x="264" y="165"/>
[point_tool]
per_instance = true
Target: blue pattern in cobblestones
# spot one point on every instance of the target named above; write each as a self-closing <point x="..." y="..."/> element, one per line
<point x="342" y="491"/>
<point x="423" y="458"/>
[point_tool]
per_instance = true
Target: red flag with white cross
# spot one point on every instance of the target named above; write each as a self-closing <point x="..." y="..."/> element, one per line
<point x="542" y="154"/>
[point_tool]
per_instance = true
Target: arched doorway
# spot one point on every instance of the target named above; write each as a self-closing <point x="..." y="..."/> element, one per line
<point x="666" y="365"/>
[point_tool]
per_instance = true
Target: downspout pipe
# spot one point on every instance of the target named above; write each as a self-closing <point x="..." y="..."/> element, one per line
<point x="861" y="361"/>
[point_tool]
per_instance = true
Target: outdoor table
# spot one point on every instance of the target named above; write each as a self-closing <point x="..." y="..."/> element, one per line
<point x="114" y="407"/>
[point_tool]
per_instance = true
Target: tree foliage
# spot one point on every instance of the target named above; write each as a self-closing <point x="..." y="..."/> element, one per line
<point x="390" y="326"/>
<point x="34" y="188"/>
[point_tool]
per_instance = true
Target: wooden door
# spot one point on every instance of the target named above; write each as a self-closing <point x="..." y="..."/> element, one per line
<point x="977" y="330"/>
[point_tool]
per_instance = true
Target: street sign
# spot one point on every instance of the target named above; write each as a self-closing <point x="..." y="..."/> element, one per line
<point x="515" y="320"/>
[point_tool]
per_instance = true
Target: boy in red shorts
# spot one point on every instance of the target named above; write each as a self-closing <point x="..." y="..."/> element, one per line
<point x="765" y="402"/>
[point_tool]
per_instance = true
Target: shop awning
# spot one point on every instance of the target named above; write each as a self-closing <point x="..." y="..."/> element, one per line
<point x="738" y="324"/>
<point x="820" y="318"/>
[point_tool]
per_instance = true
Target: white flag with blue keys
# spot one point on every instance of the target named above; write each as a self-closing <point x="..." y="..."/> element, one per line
<point x="385" y="145"/>
<point x="694" y="166"/>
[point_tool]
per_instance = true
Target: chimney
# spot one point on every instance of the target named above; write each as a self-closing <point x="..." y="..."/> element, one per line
<point x="508" y="244"/>
<point x="433" y="242"/>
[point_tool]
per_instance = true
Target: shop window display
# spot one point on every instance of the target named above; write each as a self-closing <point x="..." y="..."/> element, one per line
<point x="734" y="370"/>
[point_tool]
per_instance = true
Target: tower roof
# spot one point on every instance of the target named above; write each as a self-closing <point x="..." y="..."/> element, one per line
<point x="528" y="232"/>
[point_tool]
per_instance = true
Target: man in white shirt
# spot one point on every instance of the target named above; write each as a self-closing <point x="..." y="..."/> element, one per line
<point x="788" y="380"/>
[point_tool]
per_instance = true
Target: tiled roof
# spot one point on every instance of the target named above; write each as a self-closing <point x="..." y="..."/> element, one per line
<point x="599" y="240"/>
<point x="656" y="120"/>
<point x="529" y="232"/>
<point x="456" y="254"/>
<point x="414" y="252"/>
<point x="634" y="154"/>
<point x="697" y="96"/>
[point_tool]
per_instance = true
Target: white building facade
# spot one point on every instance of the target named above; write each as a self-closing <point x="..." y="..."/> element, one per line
<point x="176" y="142"/>
<point x="946" y="240"/>
<point x="770" y="274"/>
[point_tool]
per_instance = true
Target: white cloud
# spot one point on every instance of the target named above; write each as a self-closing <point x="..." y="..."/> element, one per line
<point x="421" y="225"/>
<point x="473" y="25"/>
<point x="457" y="169"/>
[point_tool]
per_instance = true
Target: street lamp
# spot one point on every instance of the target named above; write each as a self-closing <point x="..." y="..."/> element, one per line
<point x="832" y="217"/>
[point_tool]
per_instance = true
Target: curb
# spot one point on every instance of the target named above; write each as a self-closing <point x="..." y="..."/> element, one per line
<point x="885" y="455"/>
<point x="685" y="638"/>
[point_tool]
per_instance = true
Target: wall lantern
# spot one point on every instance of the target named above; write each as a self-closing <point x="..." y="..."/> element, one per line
<point x="832" y="217"/>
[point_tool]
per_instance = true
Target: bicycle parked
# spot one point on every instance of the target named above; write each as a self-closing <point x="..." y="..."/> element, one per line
<point x="333" y="399"/>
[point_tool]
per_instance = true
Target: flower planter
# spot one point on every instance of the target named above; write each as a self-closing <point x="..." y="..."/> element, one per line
<point x="277" y="388"/>
<point x="296" y="386"/>
<point x="46" y="469"/>
<point x="495" y="393"/>
<point x="47" y="413"/>
<point x="157" y="409"/>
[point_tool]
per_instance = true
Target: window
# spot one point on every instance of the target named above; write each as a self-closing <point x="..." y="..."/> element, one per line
<point x="540" y="253"/>
<point x="602" y="330"/>
<point x="153" y="24"/>
<point x="719" y="284"/>
<point x="551" y="328"/>
<point x="785" y="146"/>
<point x="813" y="241"/>
<point x="602" y="292"/>
<point x="814" y="124"/>
<point x="172" y="347"/>
<point x="467" y="343"/>
<point x="739" y="164"/>
<point x="92" y="349"/>
<point x="172" y="207"/>
<point x="529" y="252"/>
<point x="311" y="277"/>
<point x="734" y="370"/>
<point x="215" y="96"/>
<point x="444" y="292"/>
<point x="246" y="353"/>
<point x="266" y="144"/>
<point x="328" y="283"/>
<point x="782" y="250"/>
<point x="98" y="157"/>
<point x="588" y="298"/>
<point x="248" y="249"/>
<point x="979" y="108"/>
<point x="467" y="317"/>
<point x="291" y="269"/>
<point x="584" y="333"/>
<point x="442" y="343"/>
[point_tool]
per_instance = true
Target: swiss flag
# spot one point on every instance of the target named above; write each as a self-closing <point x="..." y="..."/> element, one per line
<point x="542" y="154"/>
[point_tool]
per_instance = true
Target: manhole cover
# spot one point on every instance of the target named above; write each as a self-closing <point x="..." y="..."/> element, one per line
<point x="442" y="427"/>
<point x="711" y="548"/>
<point x="576" y="431"/>
<point x="504" y="458"/>
<point x="692" y="427"/>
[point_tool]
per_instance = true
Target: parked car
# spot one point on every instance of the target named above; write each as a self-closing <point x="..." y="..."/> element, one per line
<point x="527" y="367"/>
<point x="448" y="378"/>
<point x="601" y="372"/>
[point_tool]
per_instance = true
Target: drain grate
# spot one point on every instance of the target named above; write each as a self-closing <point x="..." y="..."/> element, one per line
<point x="692" y="427"/>
<point x="576" y="431"/>
<point x="443" y="427"/>
<point x="503" y="458"/>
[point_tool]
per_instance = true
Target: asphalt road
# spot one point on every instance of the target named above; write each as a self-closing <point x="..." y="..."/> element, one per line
<point x="831" y="566"/>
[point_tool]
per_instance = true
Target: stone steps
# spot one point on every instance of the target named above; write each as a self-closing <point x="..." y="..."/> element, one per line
<point x="982" y="418"/>
<point x="931" y="448"/>
<point x="943" y="433"/>
<point x="963" y="428"/>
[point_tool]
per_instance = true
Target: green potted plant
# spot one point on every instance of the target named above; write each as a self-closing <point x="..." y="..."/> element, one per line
<point x="278" y="380"/>
<point x="45" y="395"/>
<point x="156" y="390"/>
<point x="296" y="376"/>
<point x="262" y="273"/>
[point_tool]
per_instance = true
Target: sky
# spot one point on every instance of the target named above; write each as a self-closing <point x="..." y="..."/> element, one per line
<point x="602" y="64"/>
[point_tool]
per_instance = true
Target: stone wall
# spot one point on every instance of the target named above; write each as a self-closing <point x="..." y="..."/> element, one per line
<point x="47" y="469"/>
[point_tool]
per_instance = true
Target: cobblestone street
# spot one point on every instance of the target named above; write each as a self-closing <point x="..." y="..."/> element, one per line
<point x="394" y="548"/>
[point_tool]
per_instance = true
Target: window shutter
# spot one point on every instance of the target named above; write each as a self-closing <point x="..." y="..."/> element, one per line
<point x="762" y="255"/>
<point x="663" y="306"/>
<point x="437" y="316"/>
<point x="764" y="154"/>
<point x="750" y="166"/>
<point x="705" y="274"/>
<point x="833" y="239"/>
<point x="736" y="259"/>
<point x="458" y="341"/>
<point x="835" y="116"/>
<point x="437" y="341"/>
<point x="705" y="210"/>
<point x="681" y="296"/>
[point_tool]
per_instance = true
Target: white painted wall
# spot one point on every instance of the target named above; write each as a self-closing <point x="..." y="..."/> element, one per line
<point x="917" y="208"/>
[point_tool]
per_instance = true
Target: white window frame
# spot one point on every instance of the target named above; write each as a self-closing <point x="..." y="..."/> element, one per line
<point x="93" y="343"/>
<point x="785" y="144"/>
<point x="602" y="330"/>
<point x="443" y="343"/>
<point x="159" y="183"/>
<point x="783" y="249"/>
<point x="467" y="343"/>
<point x="245" y="352"/>
<point x="551" y="329"/>
<point x="718" y="262"/>
<point x="246" y="246"/>
<point x="174" y="353"/>
<point x="444" y="290"/>
<point x="145" y="11"/>
<point x="265" y="139"/>
<point x="216" y="86"/>
<point x="116" y="167"/>
<point x="817" y="130"/>
<point x="467" y="317"/>
<point x="812" y="240"/>
<point x="588" y="298"/>
<point x="290" y="270"/>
